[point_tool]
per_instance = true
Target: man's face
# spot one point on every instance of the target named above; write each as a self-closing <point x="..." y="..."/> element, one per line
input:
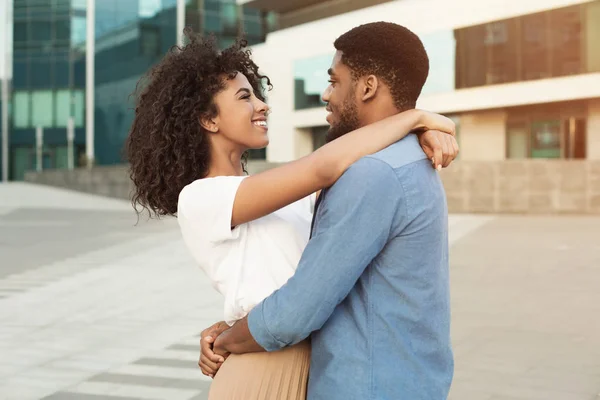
<point x="341" y="100"/>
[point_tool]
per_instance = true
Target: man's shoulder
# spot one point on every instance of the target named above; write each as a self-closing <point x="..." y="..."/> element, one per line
<point x="369" y="177"/>
<point x="368" y="169"/>
<point x="401" y="153"/>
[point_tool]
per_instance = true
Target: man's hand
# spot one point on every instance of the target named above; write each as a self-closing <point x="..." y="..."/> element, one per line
<point x="441" y="148"/>
<point x="210" y="362"/>
<point x="236" y="340"/>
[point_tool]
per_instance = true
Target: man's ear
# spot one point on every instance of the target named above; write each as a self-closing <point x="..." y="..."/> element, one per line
<point x="369" y="87"/>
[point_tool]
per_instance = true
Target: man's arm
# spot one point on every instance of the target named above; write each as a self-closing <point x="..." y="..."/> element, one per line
<point x="355" y="223"/>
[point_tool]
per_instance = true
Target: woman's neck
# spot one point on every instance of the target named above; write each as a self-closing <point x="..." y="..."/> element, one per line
<point x="225" y="162"/>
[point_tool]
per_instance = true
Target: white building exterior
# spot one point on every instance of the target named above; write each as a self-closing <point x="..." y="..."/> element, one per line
<point x="513" y="106"/>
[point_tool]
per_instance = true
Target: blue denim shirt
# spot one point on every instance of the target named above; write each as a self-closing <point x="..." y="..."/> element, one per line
<point x="372" y="285"/>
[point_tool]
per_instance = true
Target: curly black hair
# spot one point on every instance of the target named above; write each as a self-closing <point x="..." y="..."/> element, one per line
<point x="167" y="147"/>
<point x="391" y="52"/>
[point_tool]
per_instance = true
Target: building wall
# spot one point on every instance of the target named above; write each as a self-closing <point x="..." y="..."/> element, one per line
<point x="593" y="129"/>
<point x="483" y="136"/>
<point x="277" y="58"/>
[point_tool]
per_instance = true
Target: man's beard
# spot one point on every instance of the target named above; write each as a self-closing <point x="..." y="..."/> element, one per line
<point x="348" y="121"/>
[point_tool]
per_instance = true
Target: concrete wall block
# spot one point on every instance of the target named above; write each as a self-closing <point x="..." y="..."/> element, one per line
<point x="457" y="202"/>
<point x="513" y="204"/>
<point x="573" y="177"/>
<point x="481" y="203"/>
<point x="480" y="178"/>
<point x="543" y="203"/>
<point x="594" y="204"/>
<point x="572" y="203"/>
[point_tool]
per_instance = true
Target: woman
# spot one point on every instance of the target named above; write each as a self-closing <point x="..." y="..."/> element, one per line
<point x="198" y="112"/>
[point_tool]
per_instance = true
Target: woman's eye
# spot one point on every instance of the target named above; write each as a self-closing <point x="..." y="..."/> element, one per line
<point x="246" y="97"/>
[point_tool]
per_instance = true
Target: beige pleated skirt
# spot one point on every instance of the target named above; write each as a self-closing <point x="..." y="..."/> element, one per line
<point x="279" y="375"/>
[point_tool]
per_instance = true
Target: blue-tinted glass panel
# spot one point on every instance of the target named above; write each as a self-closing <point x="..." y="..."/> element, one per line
<point x="79" y="108"/>
<point x="62" y="108"/>
<point x="229" y="16"/>
<point x="149" y="8"/>
<point x="62" y="31"/>
<point x="42" y="108"/>
<point x="41" y="31"/>
<point x="20" y="32"/>
<point x="20" y="69"/>
<point x="21" y="109"/>
<point x="441" y="49"/>
<point x="61" y="72"/>
<point x="79" y="4"/>
<point x="41" y="73"/>
<point x="310" y="77"/>
<point x="78" y="30"/>
<point x="212" y="22"/>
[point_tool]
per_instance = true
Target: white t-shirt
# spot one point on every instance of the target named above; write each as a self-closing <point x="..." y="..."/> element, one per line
<point x="248" y="263"/>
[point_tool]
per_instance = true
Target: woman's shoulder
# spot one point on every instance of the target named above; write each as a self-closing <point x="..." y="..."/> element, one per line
<point x="210" y="188"/>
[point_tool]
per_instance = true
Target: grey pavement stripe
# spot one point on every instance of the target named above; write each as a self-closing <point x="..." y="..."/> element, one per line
<point x="81" y="396"/>
<point x="188" y="347"/>
<point x="5" y="289"/>
<point x="201" y="396"/>
<point x="155" y="381"/>
<point x="166" y="362"/>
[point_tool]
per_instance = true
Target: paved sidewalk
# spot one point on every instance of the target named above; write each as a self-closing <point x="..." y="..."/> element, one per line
<point x="94" y="307"/>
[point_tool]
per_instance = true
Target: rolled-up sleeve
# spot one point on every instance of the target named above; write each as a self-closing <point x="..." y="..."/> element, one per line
<point x="355" y="221"/>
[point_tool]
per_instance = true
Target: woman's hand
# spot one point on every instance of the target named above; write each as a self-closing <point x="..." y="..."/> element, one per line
<point x="210" y="362"/>
<point x="440" y="147"/>
<point x="430" y="121"/>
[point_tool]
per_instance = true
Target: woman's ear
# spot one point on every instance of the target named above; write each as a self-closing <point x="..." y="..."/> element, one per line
<point x="210" y="124"/>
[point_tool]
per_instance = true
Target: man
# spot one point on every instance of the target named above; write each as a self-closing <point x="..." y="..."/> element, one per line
<point x="372" y="286"/>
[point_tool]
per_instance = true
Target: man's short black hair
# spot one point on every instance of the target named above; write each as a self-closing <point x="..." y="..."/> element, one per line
<point x="392" y="53"/>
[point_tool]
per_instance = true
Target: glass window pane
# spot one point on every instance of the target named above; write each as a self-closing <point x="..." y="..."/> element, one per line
<point x="517" y="142"/>
<point x="78" y="30"/>
<point x="150" y="45"/>
<point x="212" y="22"/>
<point x="41" y="31"/>
<point x="42" y="108"/>
<point x="545" y="139"/>
<point x="62" y="108"/>
<point x="575" y="130"/>
<point x="565" y="28"/>
<point x="535" y="47"/>
<point x="212" y="5"/>
<point x="79" y="108"/>
<point x="78" y="4"/>
<point x="593" y="36"/>
<point x="61" y="157"/>
<point x="310" y="78"/>
<point x="41" y="72"/>
<point x="501" y="40"/>
<point x="441" y="49"/>
<point x="149" y="8"/>
<point x="21" y="109"/>
<point x="62" y="31"/>
<point x="472" y="57"/>
<point x="229" y="16"/>
<point x="20" y="32"/>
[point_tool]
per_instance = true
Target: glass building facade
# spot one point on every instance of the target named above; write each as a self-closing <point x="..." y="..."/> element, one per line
<point x="49" y="49"/>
